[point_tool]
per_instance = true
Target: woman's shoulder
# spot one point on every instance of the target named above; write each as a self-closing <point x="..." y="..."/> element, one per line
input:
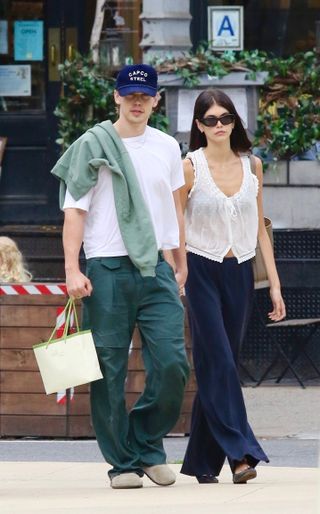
<point x="257" y="160"/>
<point x="192" y="153"/>
<point x="193" y="157"/>
<point x="257" y="166"/>
<point x="188" y="167"/>
<point x="254" y="163"/>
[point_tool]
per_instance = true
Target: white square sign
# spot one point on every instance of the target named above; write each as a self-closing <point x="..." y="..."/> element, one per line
<point x="225" y="27"/>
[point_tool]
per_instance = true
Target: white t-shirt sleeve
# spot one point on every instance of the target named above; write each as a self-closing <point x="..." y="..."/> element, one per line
<point x="177" y="175"/>
<point x="83" y="203"/>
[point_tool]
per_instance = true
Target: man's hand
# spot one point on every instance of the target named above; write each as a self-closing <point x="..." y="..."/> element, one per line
<point x="78" y="285"/>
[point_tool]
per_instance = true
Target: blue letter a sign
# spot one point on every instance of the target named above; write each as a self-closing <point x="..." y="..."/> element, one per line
<point x="226" y="26"/>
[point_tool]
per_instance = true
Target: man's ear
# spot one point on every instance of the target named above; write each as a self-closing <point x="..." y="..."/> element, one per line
<point x="156" y="100"/>
<point x="116" y="97"/>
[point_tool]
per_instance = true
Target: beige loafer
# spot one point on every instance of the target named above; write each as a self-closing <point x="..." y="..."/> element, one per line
<point x="126" y="481"/>
<point x="160" y="474"/>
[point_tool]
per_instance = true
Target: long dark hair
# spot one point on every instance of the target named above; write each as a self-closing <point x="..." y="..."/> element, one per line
<point x="239" y="140"/>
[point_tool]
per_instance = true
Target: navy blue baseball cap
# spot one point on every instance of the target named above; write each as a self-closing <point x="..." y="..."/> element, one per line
<point x="137" y="78"/>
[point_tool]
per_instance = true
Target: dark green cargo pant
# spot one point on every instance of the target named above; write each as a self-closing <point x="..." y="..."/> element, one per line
<point x="121" y="299"/>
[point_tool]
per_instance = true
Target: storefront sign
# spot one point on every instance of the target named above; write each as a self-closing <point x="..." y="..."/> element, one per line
<point x="225" y="27"/>
<point x="15" y="80"/>
<point x="3" y="37"/>
<point x="188" y="97"/>
<point x="28" y="40"/>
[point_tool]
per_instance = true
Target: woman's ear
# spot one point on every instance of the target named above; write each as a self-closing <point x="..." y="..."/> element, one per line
<point x="199" y="127"/>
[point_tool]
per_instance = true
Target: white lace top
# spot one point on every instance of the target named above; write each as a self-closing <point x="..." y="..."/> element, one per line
<point x="216" y="223"/>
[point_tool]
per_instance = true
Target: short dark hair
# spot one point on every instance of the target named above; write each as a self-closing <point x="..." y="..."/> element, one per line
<point x="239" y="140"/>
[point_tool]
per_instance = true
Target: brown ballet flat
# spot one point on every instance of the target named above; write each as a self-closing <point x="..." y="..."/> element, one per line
<point x="243" y="476"/>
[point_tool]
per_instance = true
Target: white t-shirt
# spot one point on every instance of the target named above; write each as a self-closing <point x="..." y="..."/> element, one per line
<point x="157" y="161"/>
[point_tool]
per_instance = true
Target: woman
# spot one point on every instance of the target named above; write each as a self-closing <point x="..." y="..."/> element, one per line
<point x="222" y="199"/>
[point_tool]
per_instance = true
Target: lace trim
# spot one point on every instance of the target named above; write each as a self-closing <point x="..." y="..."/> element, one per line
<point x="246" y="257"/>
<point x="256" y="183"/>
<point x="219" y="258"/>
<point x="207" y="177"/>
<point x="192" y="157"/>
<point x="202" y="253"/>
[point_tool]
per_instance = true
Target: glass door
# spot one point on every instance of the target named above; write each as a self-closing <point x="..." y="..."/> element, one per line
<point x="35" y="37"/>
<point x="22" y="68"/>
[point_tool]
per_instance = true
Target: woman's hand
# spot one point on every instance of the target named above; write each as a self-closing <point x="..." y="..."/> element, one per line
<point x="279" y="308"/>
<point x="181" y="277"/>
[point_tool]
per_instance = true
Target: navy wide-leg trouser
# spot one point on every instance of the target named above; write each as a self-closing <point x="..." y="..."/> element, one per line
<point x="219" y="303"/>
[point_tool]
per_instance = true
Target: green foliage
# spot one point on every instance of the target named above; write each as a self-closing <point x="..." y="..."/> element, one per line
<point x="292" y="131"/>
<point x="289" y="107"/>
<point x="217" y="65"/>
<point x="289" y="117"/>
<point x="88" y="99"/>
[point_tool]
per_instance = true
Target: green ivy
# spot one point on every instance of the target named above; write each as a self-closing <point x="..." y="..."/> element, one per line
<point x="87" y="99"/>
<point x="289" y="106"/>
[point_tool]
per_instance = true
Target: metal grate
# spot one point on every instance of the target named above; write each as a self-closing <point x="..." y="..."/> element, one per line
<point x="257" y="350"/>
<point x="297" y="244"/>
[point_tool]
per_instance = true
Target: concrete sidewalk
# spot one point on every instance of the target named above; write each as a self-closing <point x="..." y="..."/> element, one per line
<point x="286" y="413"/>
<point x="67" y="488"/>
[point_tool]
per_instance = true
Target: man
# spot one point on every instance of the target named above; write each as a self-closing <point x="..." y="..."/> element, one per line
<point x="122" y="201"/>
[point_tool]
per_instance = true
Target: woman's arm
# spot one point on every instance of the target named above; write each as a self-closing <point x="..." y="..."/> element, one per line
<point x="179" y="254"/>
<point x="189" y="181"/>
<point x="180" y="197"/>
<point x="279" y="310"/>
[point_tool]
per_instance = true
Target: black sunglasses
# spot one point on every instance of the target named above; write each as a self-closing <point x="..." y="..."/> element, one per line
<point x="211" y="121"/>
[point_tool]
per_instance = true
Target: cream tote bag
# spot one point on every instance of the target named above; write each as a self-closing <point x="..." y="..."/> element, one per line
<point x="69" y="361"/>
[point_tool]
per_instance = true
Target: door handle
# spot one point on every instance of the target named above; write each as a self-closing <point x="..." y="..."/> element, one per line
<point x="71" y="41"/>
<point x="53" y="55"/>
<point x="71" y="52"/>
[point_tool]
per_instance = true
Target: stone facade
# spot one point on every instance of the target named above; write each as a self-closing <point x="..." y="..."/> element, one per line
<point x="166" y="28"/>
<point x="292" y="194"/>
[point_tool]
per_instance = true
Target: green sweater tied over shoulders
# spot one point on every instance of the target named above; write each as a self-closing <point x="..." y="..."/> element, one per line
<point x="78" y="169"/>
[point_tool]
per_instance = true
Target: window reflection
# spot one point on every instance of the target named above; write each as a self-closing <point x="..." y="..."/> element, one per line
<point x="25" y="76"/>
<point x="121" y="33"/>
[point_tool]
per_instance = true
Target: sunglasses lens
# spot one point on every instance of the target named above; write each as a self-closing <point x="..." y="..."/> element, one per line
<point x="227" y="119"/>
<point x="211" y="121"/>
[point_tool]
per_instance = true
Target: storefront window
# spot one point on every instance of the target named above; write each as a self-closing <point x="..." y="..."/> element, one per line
<point x="279" y="26"/>
<point x="22" y="71"/>
<point x="121" y="33"/>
